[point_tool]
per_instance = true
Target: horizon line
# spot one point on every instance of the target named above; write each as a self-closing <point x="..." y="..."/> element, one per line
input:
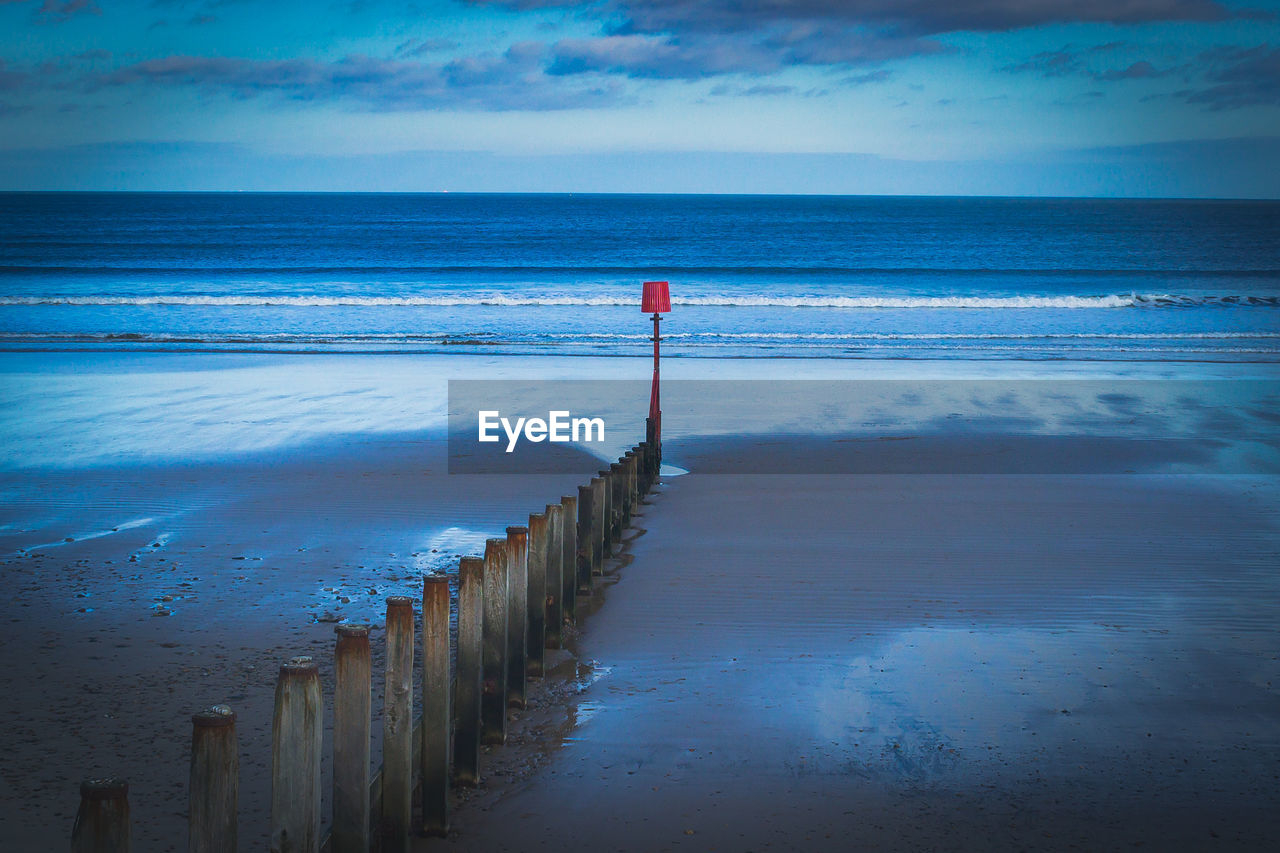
<point x="1028" y="196"/>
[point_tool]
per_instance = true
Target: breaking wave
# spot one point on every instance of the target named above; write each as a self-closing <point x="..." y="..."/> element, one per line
<point x="1132" y="300"/>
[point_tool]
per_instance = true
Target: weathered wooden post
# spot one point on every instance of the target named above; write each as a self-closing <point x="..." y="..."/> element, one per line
<point x="537" y="598"/>
<point x="633" y="482"/>
<point x="353" y="685"/>
<point x="642" y="459"/>
<point x="493" y="704"/>
<point x="466" y="735"/>
<point x="517" y="614"/>
<point x="651" y="439"/>
<point x="555" y="582"/>
<point x="618" y="482"/>
<point x="295" y="759"/>
<point x="586" y="536"/>
<point x="569" y="555"/>
<point x="215" y="781"/>
<point x="397" y="728"/>
<point x="600" y="516"/>
<point x="436" y="712"/>
<point x="102" y="823"/>
<point x="625" y="487"/>
<point x="606" y="514"/>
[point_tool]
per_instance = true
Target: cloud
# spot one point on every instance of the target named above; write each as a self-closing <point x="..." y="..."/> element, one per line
<point x="758" y="90"/>
<point x="1049" y="63"/>
<point x="421" y="47"/>
<point x="10" y="79"/>
<point x="1071" y="61"/>
<point x="693" y="39"/>
<point x="509" y="81"/>
<point x="1141" y="70"/>
<point x="1242" y="77"/>
<point x="877" y="76"/>
<point x="915" y="17"/>
<point x="61" y="10"/>
<point x="656" y="57"/>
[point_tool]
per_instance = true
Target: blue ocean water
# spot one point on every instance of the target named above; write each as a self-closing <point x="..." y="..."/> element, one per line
<point x="841" y="277"/>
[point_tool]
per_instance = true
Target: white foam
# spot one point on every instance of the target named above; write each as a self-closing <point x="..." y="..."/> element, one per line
<point x="500" y="300"/>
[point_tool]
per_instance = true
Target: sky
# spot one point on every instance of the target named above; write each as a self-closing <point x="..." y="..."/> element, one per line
<point x="1168" y="98"/>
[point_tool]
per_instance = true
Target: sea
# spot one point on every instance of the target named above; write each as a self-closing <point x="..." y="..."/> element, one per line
<point x="844" y="277"/>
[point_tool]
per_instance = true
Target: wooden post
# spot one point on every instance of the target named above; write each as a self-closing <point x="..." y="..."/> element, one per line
<point x="606" y="515"/>
<point x="102" y="823"/>
<point x="295" y="759"/>
<point x="493" y="704"/>
<point x="586" y="536"/>
<point x="555" y="582"/>
<point x="642" y="470"/>
<point x="624" y="502"/>
<point x="436" y="712"/>
<point x="537" y="598"/>
<point x="569" y="555"/>
<point x="353" y="684"/>
<point x="215" y="781"/>
<point x="517" y="614"/>
<point x="633" y="482"/>
<point x="397" y="728"/>
<point x="600" y="516"/>
<point x="651" y="439"/>
<point x="618" y="483"/>
<point x="466" y="735"/>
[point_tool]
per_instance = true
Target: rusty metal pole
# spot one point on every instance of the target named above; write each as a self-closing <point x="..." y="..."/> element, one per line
<point x="295" y="759"/>
<point x="517" y="614"/>
<point x="493" y="705"/>
<point x="466" y="736"/>
<point x="537" y="594"/>
<point x="569" y="556"/>
<point x="555" y="582"/>
<point x="397" y="728"/>
<point x="352" y="707"/>
<point x="655" y="403"/>
<point x="436" y="711"/>
<point x="215" y="781"/>
<point x="102" y="823"/>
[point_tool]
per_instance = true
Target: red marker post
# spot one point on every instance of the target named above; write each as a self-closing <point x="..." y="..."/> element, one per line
<point x="655" y="300"/>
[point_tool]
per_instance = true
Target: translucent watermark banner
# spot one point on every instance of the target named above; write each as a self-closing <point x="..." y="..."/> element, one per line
<point x="980" y="426"/>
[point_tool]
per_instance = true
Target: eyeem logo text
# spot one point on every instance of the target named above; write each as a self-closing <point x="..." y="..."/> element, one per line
<point x="559" y="427"/>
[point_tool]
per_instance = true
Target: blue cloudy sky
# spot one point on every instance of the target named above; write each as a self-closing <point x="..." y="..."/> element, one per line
<point x="1056" y="97"/>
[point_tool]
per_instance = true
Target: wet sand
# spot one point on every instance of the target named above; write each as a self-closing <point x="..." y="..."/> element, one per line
<point x="911" y="662"/>
<point x="169" y="588"/>
<point x="899" y="658"/>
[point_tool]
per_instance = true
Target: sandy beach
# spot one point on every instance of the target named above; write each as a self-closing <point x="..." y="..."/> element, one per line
<point x="1016" y="637"/>
<point x="924" y="662"/>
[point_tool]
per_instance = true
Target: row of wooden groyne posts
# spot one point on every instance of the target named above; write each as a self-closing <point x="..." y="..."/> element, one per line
<point x="512" y="605"/>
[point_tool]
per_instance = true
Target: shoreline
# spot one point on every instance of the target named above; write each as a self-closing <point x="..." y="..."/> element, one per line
<point x="1072" y="356"/>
